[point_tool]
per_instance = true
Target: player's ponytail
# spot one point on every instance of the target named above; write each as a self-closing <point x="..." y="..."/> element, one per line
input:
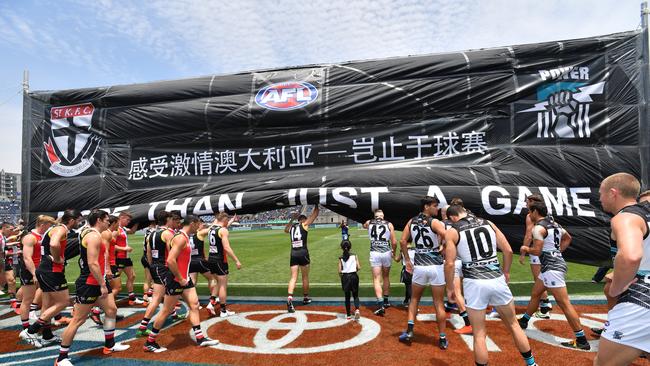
<point x="346" y="246"/>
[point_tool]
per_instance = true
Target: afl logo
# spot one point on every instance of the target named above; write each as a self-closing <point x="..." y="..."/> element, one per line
<point x="286" y="96"/>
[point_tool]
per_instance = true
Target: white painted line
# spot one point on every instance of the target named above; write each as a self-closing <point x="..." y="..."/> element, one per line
<point x="457" y="322"/>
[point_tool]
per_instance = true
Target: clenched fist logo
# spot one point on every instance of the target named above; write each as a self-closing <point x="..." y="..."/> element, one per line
<point x="563" y="108"/>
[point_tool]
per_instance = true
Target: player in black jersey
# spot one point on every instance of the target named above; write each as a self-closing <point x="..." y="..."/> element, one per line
<point x="179" y="284"/>
<point x="627" y="330"/>
<point x="157" y="251"/>
<point x="298" y="233"/>
<point x="611" y="301"/>
<point x="545" y="305"/>
<point x="147" y="287"/>
<point x="382" y="251"/>
<point x="220" y="249"/>
<point x="475" y="241"/>
<point x="427" y="267"/>
<point x="549" y="241"/>
<point x="199" y="263"/>
<point x="457" y="301"/>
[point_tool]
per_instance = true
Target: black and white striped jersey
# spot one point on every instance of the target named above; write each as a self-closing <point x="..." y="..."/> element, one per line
<point x="551" y="256"/>
<point x="379" y="234"/>
<point x="147" y="232"/>
<point x="477" y="248"/>
<point x="427" y="245"/>
<point x="639" y="292"/>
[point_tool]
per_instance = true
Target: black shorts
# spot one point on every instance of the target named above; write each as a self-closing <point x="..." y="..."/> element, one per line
<point x="8" y="266"/>
<point x="25" y="276"/>
<point x="200" y="266"/>
<point x="85" y="293"/>
<point x="299" y="259"/>
<point x="123" y="263"/>
<point x="159" y="274"/>
<point x="350" y="282"/>
<point x="115" y="271"/>
<point x="405" y="277"/>
<point x="173" y="288"/>
<point x="218" y="267"/>
<point x="144" y="262"/>
<point x="51" y="281"/>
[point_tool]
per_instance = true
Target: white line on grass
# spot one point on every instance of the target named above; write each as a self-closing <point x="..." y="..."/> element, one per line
<point x="326" y="284"/>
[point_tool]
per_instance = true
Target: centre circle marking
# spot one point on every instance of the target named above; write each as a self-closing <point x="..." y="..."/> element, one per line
<point x="263" y="345"/>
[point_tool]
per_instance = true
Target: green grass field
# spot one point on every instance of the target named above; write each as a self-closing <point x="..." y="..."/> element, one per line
<point x="264" y="255"/>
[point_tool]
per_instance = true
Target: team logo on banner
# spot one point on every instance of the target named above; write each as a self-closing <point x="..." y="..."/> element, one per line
<point x="71" y="146"/>
<point x="286" y="96"/>
<point x="564" y="103"/>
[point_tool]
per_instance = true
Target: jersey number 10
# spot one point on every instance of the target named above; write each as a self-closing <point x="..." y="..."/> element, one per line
<point x="480" y="243"/>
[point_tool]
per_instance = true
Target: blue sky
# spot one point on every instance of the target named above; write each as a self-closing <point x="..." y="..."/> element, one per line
<point x="72" y="44"/>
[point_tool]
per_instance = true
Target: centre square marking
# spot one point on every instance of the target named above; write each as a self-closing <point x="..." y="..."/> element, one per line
<point x="294" y="329"/>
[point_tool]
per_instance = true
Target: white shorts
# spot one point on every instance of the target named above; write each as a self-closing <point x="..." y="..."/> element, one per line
<point x="479" y="294"/>
<point x="381" y="259"/>
<point x="458" y="268"/>
<point x="534" y="260"/>
<point x="623" y="326"/>
<point x="429" y="275"/>
<point x="553" y="279"/>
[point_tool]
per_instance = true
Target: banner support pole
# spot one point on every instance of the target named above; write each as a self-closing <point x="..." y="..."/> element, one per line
<point x="26" y="175"/>
<point x="644" y="128"/>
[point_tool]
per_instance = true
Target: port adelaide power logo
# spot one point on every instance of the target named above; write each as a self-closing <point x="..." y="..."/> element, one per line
<point x="564" y="107"/>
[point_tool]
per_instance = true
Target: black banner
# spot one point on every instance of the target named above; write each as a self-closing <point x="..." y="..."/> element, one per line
<point x="489" y="126"/>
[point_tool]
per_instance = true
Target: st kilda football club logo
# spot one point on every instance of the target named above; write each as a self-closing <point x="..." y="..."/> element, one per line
<point x="70" y="144"/>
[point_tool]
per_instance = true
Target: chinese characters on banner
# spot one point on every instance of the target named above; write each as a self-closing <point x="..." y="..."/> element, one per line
<point x="363" y="150"/>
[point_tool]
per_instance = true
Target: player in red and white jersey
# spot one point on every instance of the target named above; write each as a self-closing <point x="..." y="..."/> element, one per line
<point x="31" y="259"/>
<point x="5" y="231"/>
<point x="50" y="275"/>
<point x="122" y="255"/>
<point x="12" y="255"/>
<point x="179" y="284"/>
<point x="91" y="288"/>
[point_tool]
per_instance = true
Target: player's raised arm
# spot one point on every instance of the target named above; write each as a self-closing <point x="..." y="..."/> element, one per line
<point x="312" y="217"/>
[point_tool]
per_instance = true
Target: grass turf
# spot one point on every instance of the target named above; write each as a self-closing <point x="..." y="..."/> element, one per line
<point x="264" y="255"/>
